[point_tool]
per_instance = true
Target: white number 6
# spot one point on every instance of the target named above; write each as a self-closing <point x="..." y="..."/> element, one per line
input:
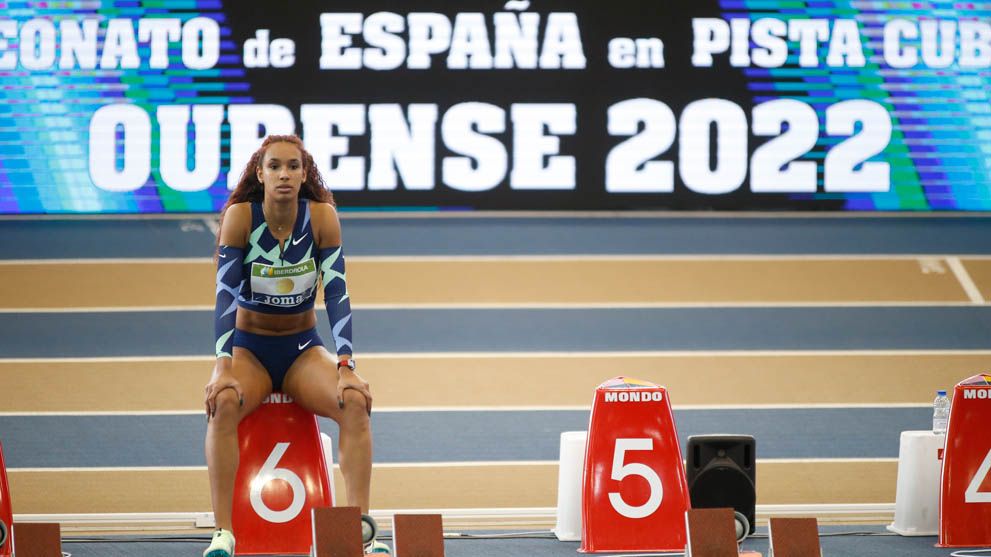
<point x="620" y="471"/>
<point x="268" y="473"/>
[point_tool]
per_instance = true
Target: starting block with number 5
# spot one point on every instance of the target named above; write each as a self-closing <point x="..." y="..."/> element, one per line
<point x="965" y="494"/>
<point x="634" y="494"/>
<point x="284" y="472"/>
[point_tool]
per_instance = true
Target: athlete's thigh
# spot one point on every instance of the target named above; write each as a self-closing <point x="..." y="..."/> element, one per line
<point x="255" y="382"/>
<point x="312" y="382"/>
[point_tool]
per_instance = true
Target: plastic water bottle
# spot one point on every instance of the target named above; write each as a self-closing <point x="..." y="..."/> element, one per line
<point x="941" y="412"/>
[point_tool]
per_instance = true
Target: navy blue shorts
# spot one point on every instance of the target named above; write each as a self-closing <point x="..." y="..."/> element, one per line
<point x="277" y="353"/>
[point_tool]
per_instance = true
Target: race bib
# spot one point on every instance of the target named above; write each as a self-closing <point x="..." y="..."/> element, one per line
<point x="283" y="286"/>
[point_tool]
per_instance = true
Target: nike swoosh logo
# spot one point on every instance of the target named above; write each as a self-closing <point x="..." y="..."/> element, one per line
<point x="302" y="346"/>
<point x="222" y="255"/>
<point x="300" y="239"/>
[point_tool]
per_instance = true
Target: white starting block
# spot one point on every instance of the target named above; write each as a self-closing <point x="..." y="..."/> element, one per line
<point x="917" y="491"/>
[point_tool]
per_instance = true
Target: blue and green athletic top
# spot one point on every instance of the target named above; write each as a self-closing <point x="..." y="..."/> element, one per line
<point x="279" y="278"/>
<point x="269" y="277"/>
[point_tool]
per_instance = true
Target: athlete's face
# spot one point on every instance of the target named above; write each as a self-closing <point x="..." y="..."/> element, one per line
<point x="281" y="171"/>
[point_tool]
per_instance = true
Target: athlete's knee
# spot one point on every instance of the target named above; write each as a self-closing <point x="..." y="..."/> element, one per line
<point x="228" y="406"/>
<point x="355" y="409"/>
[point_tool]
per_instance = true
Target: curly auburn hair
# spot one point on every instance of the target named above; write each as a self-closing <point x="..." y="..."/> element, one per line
<point x="250" y="189"/>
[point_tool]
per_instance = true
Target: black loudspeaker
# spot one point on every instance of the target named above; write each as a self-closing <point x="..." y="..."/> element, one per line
<point x="721" y="472"/>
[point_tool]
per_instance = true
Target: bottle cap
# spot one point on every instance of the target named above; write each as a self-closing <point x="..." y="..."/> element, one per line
<point x="941" y="393"/>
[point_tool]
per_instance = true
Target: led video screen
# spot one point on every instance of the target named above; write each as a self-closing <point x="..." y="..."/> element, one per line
<point x="155" y="107"/>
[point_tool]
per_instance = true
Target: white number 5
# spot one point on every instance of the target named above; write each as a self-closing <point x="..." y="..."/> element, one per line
<point x="972" y="495"/>
<point x="620" y="471"/>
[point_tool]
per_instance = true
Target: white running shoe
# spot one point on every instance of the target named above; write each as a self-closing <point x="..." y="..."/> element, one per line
<point x="376" y="548"/>
<point x="222" y="544"/>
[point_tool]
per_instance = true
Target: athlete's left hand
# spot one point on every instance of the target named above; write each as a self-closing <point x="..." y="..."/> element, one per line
<point x="348" y="379"/>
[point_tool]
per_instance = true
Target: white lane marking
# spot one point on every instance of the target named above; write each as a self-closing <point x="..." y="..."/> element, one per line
<point x="212" y="224"/>
<point x="453" y="355"/>
<point x="107" y="261"/>
<point x="966" y="282"/>
<point x="497" y="215"/>
<point x="714" y="257"/>
<point x="500" y="408"/>
<point x="109" y="359"/>
<point x="443" y="464"/>
<point x="847" y="460"/>
<point x="122" y="309"/>
<point x="636" y="258"/>
<point x="526" y="305"/>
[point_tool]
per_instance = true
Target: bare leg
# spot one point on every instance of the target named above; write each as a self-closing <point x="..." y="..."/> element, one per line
<point x="221" y="433"/>
<point x="355" y="450"/>
<point x="312" y="382"/>
<point x="222" y="456"/>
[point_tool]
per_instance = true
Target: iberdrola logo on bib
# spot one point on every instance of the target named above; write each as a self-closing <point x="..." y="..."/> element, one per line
<point x="283" y="281"/>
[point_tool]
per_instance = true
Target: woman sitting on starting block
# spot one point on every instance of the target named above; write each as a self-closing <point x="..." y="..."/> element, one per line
<point x="279" y="234"/>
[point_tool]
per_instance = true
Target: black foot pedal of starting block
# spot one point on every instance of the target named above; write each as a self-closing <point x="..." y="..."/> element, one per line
<point x="3" y="538"/>
<point x="37" y="539"/>
<point x="794" y="537"/>
<point x="6" y="513"/>
<point x="711" y="533"/>
<point x="418" y="535"/>
<point x="337" y="532"/>
<point x="369" y="529"/>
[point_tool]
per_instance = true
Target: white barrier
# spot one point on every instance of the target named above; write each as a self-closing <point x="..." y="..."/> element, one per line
<point x="917" y="490"/>
<point x="569" y="486"/>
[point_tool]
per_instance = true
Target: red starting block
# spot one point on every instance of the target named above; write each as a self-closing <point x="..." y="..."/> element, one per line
<point x="337" y="532"/>
<point x="711" y="533"/>
<point x="965" y="494"/>
<point x="37" y="539"/>
<point x="6" y="511"/>
<point x="794" y="537"/>
<point x="418" y="535"/>
<point x="281" y="477"/>
<point x="634" y="492"/>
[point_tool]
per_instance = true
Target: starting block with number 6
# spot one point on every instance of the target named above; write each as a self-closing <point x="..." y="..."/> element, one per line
<point x="284" y="472"/>
<point x="634" y="494"/>
<point x="965" y="494"/>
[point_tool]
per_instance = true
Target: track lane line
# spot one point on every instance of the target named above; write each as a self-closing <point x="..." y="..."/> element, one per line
<point x="599" y="354"/>
<point x="440" y="464"/>
<point x="530" y="305"/>
<point x="960" y="272"/>
<point x="562" y="408"/>
<point x="535" y="258"/>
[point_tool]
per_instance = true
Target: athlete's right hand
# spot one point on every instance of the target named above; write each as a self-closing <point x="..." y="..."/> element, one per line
<point x="219" y="382"/>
